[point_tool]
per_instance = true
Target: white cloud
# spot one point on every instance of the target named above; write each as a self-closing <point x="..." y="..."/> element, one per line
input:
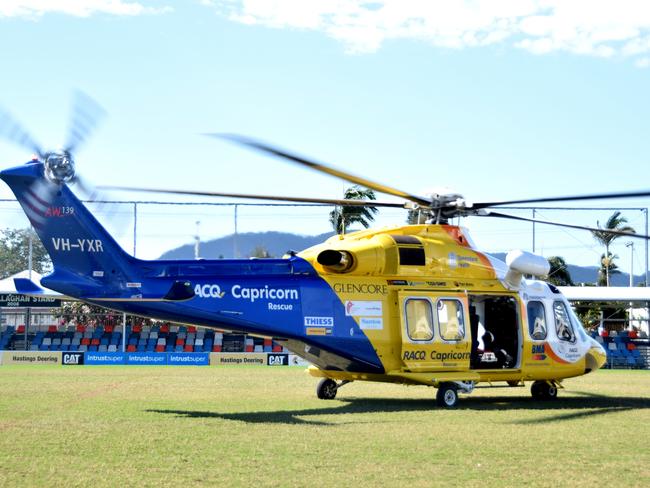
<point x="77" y="8"/>
<point x="642" y="63"/>
<point x="589" y="27"/>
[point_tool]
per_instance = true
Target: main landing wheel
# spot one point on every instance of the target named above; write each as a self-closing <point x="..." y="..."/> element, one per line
<point x="447" y="395"/>
<point x="326" y="389"/>
<point x="543" y="390"/>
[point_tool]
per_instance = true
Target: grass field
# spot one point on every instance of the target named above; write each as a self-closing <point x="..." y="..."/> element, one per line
<point x="259" y="426"/>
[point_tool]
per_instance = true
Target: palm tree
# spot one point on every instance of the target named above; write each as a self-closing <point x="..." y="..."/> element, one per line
<point x="614" y="222"/>
<point x="607" y="268"/>
<point x="559" y="273"/>
<point x="342" y="217"/>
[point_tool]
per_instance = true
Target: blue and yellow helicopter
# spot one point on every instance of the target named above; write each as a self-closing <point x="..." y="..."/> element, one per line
<point x="413" y="304"/>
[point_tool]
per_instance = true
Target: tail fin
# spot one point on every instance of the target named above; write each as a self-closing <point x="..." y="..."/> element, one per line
<point x="79" y="246"/>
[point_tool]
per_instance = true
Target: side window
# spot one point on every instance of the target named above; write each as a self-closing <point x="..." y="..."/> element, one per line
<point x="536" y="321"/>
<point x="451" y="320"/>
<point x="419" y="319"/>
<point x="563" y="326"/>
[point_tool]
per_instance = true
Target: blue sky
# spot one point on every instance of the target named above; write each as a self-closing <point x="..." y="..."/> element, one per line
<point x="497" y="100"/>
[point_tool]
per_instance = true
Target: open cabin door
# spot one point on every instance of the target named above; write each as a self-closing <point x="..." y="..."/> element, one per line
<point x="435" y="334"/>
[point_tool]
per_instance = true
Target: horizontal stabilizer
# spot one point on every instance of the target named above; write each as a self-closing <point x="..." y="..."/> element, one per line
<point x="27" y="287"/>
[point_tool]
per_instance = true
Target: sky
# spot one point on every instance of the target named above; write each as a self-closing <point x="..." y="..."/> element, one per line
<point x="493" y="99"/>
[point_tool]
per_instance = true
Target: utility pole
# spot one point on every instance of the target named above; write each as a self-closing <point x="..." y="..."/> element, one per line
<point x="533" y="231"/>
<point x="235" y="250"/>
<point x="197" y="241"/>
<point x="30" y="257"/>
<point x="631" y="246"/>
<point x="630" y="311"/>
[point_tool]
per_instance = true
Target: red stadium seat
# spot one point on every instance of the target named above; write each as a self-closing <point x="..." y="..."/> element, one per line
<point x="85" y="341"/>
<point x="130" y="348"/>
<point x="108" y="328"/>
<point x="268" y="342"/>
<point x="191" y="329"/>
<point x="137" y="328"/>
<point x="21" y="329"/>
<point x="189" y="348"/>
<point x="180" y="342"/>
<point x="94" y="342"/>
<point x="216" y="348"/>
<point x="250" y="348"/>
<point x="51" y="328"/>
<point x="277" y="348"/>
<point x="160" y="348"/>
<point x="81" y="328"/>
<point x="165" y="328"/>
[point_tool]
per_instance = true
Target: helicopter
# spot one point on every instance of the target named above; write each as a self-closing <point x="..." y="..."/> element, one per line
<point x="409" y="304"/>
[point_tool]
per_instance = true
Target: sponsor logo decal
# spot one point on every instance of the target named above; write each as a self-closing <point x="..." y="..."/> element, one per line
<point x="367" y="308"/>
<point x="364" y="288"/>
<point x="371" y="323"/>
<point x="321" y="331"/>
<point x="539" y="352"/>
<point x="98" y="274"/>
<point x="319" y="321"/>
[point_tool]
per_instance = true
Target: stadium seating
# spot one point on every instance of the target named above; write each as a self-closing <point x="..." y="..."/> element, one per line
<point x="168" y="338"/>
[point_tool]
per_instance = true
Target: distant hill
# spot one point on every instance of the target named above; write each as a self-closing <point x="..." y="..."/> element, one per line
<point x="278" y="243"/>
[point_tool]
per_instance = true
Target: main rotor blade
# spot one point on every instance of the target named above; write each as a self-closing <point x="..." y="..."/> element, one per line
<point x="326" y="201"/>
<point x="323" y="168"/>
<point x="594" y="196"/>
<point x="86" y="115"/>
<point x="571" y="226"/>
<point x="11" y="130"/>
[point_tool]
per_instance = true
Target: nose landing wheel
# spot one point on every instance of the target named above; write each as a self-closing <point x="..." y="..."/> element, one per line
<point x="544" y="390"/>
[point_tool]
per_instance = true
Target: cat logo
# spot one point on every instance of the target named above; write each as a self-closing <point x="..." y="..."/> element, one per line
<point x="278" y="360"/>
<point x="72" y="358"/>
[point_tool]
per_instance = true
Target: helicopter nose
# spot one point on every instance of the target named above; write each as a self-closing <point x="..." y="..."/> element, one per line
<point x="596" y="357"/>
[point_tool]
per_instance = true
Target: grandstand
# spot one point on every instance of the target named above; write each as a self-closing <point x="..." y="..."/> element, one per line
<point x="138" y="338"/>
<point x="625" y="349"/>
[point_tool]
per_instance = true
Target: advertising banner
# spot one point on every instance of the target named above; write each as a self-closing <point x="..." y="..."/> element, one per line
<point x="146" y="358"/>
<point x="103" y="358"/>
<point x="297" y="361"/>
<point x="237" y="359"/>
<point x="31" y="357"/>
<point x="72" y="358"/>
<point x="188" y="359"/>
<point x="277" y="360"/>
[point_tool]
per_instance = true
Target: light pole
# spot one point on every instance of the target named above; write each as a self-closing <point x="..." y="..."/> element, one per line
<point x="630" y="311"/>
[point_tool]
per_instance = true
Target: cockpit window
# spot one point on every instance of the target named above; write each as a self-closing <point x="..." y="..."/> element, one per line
<point x="536" y="320"/>
<point x="563" y="326"/>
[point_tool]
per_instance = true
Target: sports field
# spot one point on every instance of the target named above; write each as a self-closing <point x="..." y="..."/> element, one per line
<point x="260" y="426"/>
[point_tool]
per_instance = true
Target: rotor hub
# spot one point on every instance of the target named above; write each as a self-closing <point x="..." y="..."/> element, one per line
<point x="59" y="167"/>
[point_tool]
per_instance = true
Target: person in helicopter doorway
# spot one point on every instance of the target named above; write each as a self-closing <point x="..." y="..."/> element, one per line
<point x="504" y="360"/>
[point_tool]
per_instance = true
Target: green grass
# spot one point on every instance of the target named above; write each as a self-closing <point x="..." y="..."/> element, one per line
<point x="258" y="426"/>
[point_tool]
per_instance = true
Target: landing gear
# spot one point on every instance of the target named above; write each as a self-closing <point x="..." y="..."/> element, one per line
<point x="543" y="390"/>
<point x="447" y="395"/>
<point x="327" y="388"/>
